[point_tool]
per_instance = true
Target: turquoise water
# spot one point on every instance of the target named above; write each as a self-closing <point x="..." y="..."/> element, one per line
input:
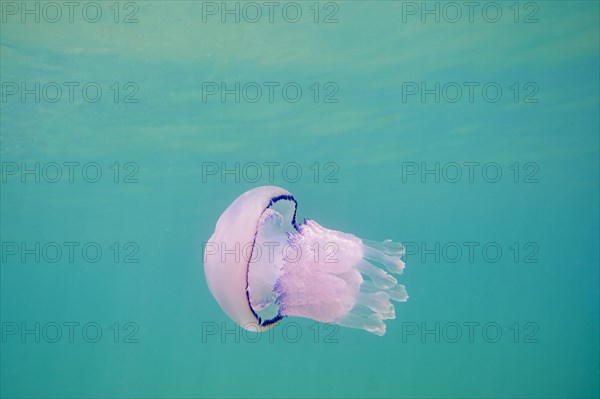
<point x="522" y="322"/>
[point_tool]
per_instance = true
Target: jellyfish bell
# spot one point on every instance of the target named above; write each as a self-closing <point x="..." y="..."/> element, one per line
<point x="261" y="265"/>
<point x="225" y="268"/>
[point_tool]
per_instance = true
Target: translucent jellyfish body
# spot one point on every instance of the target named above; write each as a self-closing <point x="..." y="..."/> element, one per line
<point x="261" y="266"/>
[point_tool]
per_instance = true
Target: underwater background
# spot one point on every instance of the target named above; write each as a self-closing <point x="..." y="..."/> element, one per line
<point x="468" y="132"/>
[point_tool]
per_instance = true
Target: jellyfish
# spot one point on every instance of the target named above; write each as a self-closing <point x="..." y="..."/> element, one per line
<point x="261" y="266"/>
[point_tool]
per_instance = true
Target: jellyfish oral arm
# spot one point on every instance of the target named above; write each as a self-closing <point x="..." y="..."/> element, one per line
<point x="344" y="287"/>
